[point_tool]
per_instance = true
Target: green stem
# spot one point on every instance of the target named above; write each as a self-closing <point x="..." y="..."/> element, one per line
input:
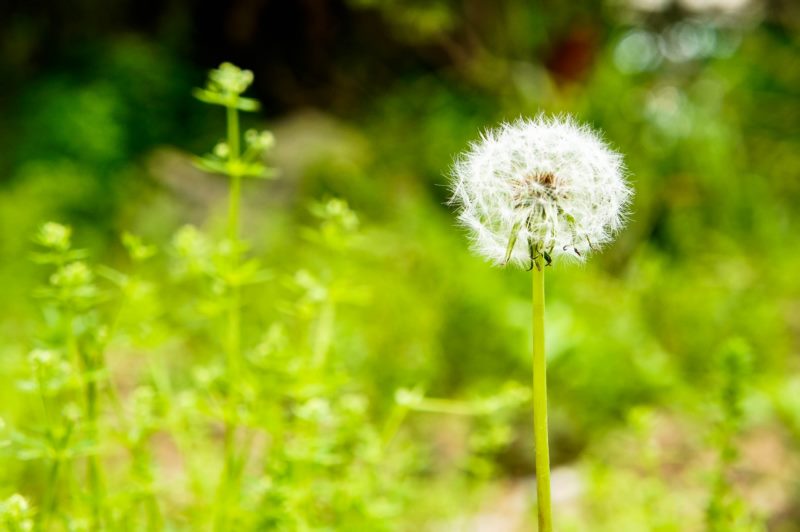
<point x="234" y="201"/>
<point x="540" y="402"/>
<point x="396" y="418"/>
<point x="233" y="338"/>
<point x="111" y="388"/>
<point x="49" y="505"/>
<point x="143" y="472"/>
<point x="445" y="406"/>
<point x="95" y="484"/>
<point x="324" y="333"/>
<point x="90" y="396"/>
<point x="236" y="179"/>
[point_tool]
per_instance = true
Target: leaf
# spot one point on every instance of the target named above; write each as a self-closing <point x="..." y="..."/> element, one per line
<point x="226" y="100"/>
<point x="247" y="104"/>
<point x="207" y="164"/>
<point x="115" y="276"/>
<point x="207" y="96"/>
<point x="259" y="171"/>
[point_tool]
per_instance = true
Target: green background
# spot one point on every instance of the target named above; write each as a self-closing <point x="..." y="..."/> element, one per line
<point x="370" y="101"/>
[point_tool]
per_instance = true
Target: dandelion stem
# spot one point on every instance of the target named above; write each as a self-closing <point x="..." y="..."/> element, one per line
<point x="540" y="402"/>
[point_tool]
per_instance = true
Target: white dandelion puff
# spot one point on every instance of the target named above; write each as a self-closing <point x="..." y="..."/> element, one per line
<point x="542" y="187"/>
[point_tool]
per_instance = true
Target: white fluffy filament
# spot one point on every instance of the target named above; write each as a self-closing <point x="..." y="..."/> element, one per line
<point x="542" y="187"/>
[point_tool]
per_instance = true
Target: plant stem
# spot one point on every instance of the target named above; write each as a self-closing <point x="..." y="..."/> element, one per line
<point x="95" y="483"/>
<point x="49" y="504"/>
<point x="90" y="393"/>
<point x="234" y="200"/>
<point x="540" y="402"/>
<point x="233" y="339"/>
<point x="236" y="179"/>
<point x="324" y="333"/>
<point x="143" y="472"/>
<point x="51" y="487"/>
<point x="392" y="426"/>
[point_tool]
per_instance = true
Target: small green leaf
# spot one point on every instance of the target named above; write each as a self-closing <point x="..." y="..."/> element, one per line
<point x="207" y="164"/>
<point x="226" y="100"/>
<point x="247" y="104"/>
<point x="116" y="277"/>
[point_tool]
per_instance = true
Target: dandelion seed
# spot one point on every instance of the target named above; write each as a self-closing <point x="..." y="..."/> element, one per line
<point x="544" y="187"/>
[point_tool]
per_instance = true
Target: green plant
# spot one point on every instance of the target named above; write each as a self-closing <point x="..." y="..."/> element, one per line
<point x="225" y="87"/>
<point x="172" y="354"/>
<point x="726" y="511"/>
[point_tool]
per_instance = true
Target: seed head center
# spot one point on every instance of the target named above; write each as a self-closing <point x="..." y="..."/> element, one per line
<point x="535" y="187"/>
<point x="546" y="179"/>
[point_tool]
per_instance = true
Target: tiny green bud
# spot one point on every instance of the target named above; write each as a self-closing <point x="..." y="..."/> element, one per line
<point x="407" y="397"/>
<point x="313" y="287"/>
<point x="207" y="376"/>
<point x="143" y="399"/>
<point x="190" y="242"/>
<point x="225" y="87"/>
<point x="72" y="275"/>
<point x="79" y="525"/>
<point x="316" y="409"/>
<point x="261" y="141"/>
<point x="54" y="236"/>
<point x="230" y="78"/>
<point x="137" y="249"/>
<point x="354" y="404"/>
<point x="222" y="150"/>
<point x="15" y="513"/>
<point x="336" y="211"/>
<point x="43" y="358"/>
<point x="71" y="412"/>
<point x="17" y="503"/>
<point x="274" y="341"/>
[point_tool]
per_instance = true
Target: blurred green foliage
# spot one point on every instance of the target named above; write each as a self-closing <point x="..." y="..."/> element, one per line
<point x="703" y="98"/>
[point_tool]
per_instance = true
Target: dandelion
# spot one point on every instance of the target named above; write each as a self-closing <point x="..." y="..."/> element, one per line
<point x="540" y="188"/>
<point x="531" y="191"/>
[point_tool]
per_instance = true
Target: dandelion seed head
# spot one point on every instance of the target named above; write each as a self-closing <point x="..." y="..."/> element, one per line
<point x="540" y="186"/>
